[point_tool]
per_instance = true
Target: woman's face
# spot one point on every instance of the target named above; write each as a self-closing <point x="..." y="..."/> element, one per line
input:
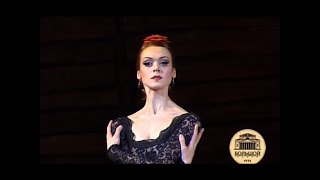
<point x="156" y="71"/>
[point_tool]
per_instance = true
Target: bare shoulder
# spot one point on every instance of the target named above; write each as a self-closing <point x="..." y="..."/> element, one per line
<point x="191" y="116"/>
<point x="178" y="110"/>
<point x="135" y="116"/>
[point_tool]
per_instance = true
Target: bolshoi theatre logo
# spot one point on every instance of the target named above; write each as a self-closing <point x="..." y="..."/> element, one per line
<point x="247" y="146"/>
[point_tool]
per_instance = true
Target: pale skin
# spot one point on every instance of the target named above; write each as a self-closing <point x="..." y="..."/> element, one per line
<point x="156" y="73"/>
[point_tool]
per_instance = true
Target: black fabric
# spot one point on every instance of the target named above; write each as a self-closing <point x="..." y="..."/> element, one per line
<point x="163" y="150"/>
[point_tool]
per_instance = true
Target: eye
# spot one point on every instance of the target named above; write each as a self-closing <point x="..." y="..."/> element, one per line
<point x="164" y="63"/>
<point x="147" y="63"/>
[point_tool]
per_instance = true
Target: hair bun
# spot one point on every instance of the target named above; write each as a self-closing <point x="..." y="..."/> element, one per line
<point x="156" y="37"/>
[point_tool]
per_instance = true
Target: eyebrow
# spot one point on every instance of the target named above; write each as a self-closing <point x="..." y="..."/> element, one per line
<point x="162" y="57"/>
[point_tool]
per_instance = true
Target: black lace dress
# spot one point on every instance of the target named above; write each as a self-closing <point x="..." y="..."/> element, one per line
<point x="163" y="150"/>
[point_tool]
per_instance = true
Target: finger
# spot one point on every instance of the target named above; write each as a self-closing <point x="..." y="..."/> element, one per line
<point x="194" y="135"/>
<point x="109" y="129"/>
<point x="118" y="130"/>
<point x="199" y="135"/>
<point x="182" y="142"/>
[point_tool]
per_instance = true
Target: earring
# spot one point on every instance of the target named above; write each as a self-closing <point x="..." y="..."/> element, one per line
<point x="173" y="82"/>
<point x="139" y="84"/>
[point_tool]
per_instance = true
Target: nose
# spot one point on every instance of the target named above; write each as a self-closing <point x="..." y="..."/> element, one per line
<point x="156" y="68"/>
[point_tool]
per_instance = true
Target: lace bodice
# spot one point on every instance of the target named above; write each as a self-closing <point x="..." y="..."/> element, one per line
<point x="163" y="150"/>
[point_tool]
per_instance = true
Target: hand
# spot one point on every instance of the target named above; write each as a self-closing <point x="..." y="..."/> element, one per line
<point x="113" y="139"/>
<point x="187" y="152"/>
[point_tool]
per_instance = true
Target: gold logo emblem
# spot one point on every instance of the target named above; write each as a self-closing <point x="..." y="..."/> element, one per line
<point x="247" y="146"/>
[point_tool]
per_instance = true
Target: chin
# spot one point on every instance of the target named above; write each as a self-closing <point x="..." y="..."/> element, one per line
<point x="156" y="88"/>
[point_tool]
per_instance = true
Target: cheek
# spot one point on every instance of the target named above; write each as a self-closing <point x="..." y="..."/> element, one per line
<point x="145" y="72"/>
<point x="168" y="70"/>
<point x="168" y="74"/>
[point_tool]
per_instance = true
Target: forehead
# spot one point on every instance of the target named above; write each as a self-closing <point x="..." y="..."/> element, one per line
<point x="155" y="51"/>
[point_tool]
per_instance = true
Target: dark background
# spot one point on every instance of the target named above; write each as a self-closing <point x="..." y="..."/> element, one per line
<point x="228" y="72"/>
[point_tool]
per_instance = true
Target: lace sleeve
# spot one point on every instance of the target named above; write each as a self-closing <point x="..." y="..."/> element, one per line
<point x="187" y="127"/>
<point x="121" y="153"/>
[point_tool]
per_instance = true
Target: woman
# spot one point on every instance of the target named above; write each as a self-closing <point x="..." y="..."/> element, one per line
<point x="161" y="132"/>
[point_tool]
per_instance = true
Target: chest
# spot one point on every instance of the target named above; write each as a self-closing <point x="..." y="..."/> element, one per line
<point x="144" y="129"/>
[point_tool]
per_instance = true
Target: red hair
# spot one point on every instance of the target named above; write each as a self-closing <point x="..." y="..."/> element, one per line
<point x="157" y="37"/>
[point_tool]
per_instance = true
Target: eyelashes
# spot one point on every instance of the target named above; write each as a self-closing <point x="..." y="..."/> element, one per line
<point x="164" y="63"/>
<point x="150" y="63"/>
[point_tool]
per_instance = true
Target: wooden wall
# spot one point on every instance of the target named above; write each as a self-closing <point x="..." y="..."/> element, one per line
<point x="228" y="72"/>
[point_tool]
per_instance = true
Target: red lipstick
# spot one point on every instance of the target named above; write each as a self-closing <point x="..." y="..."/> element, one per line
<point x="156" y="77"/>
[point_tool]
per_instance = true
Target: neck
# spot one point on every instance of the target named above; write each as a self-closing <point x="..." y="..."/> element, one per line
<point x="156" y="101"/>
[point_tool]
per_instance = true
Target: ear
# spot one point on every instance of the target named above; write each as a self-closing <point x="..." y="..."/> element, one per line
<point x="138" y="75"/>
<point x="174" y="73"/>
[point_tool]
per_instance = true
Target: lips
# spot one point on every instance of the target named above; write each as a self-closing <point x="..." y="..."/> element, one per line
<point x="156" y="77"/>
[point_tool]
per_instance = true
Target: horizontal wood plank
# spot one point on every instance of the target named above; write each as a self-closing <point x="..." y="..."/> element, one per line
<point x="75" y="144"/>
<point x="54" y="28"/>
<point x="75" y="77"/>
<point x="215" y="68"/>
<point x="221" y="92"/>
<point x="167" y="23"/>
<point x="237" y="112"/>
<point x="76" y="53"/>
<point x="75" y="121"/>
<point x="78" y="99"/>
